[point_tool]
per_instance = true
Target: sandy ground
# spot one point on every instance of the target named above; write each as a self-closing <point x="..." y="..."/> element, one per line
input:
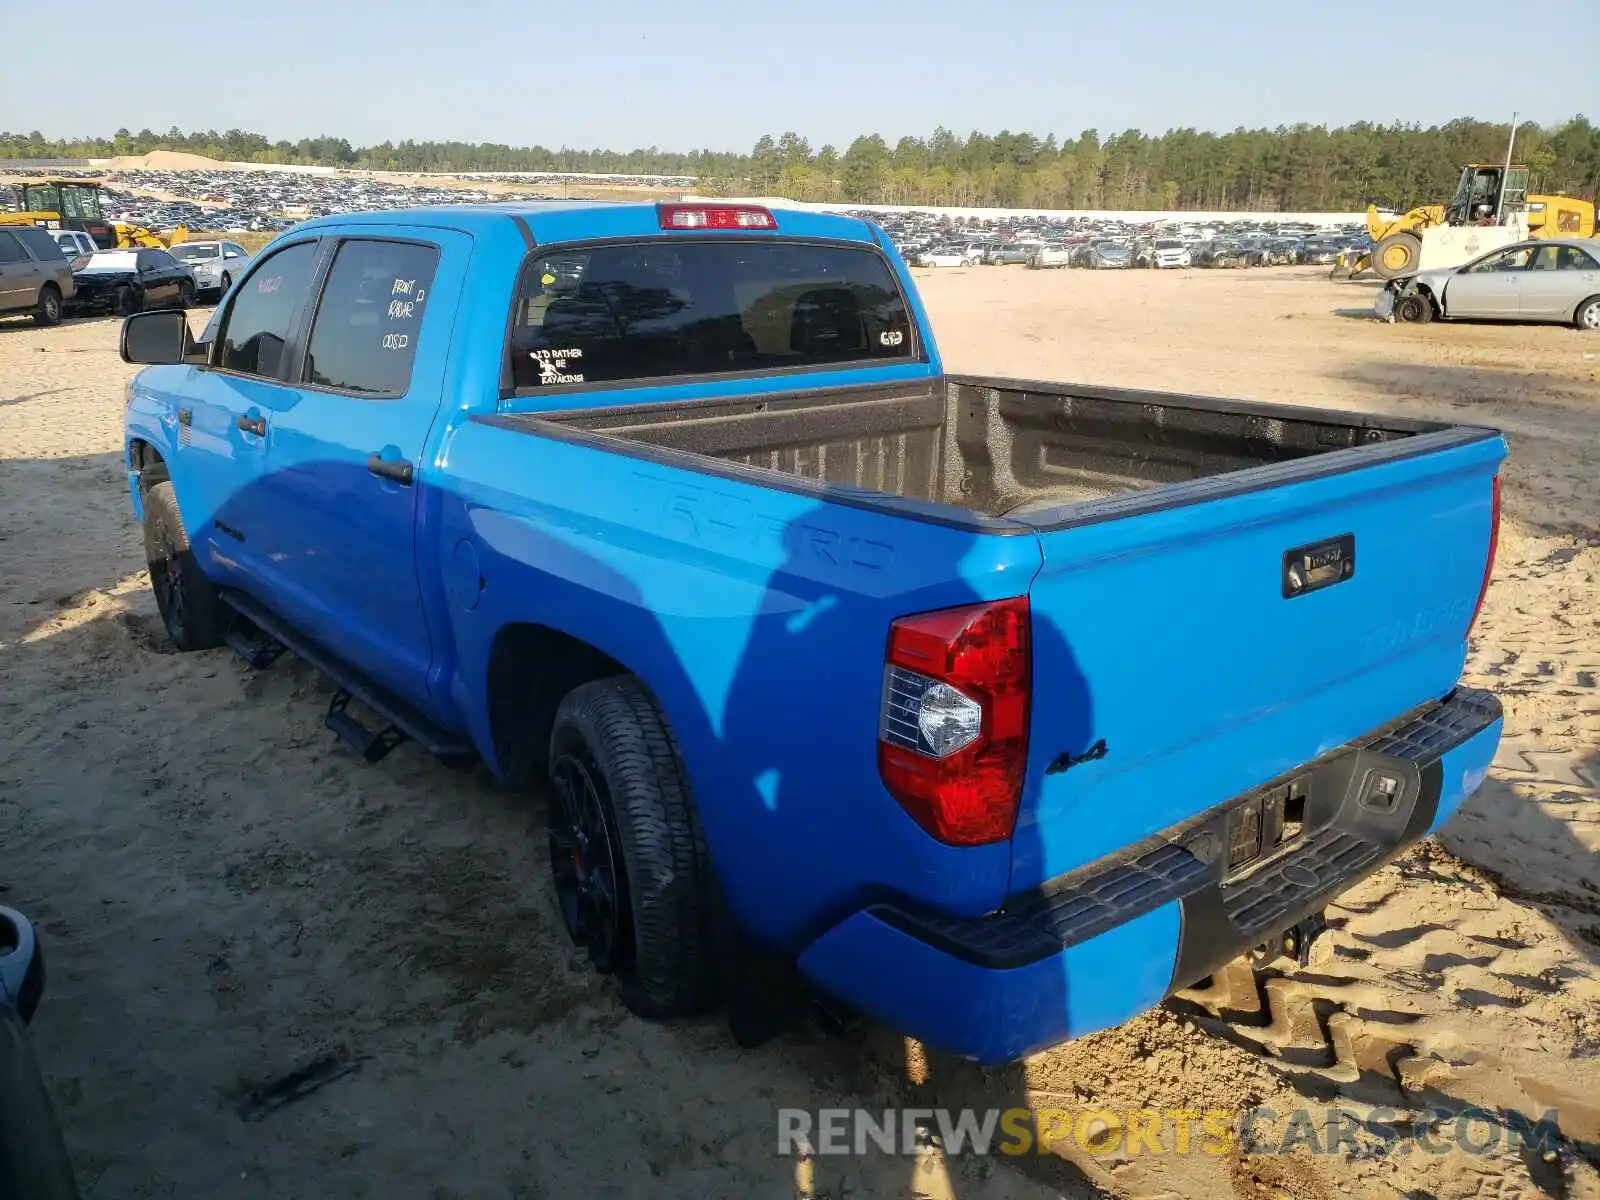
<point x="227" y="894"/>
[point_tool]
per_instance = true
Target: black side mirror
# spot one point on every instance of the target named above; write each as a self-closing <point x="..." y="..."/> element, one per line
<point x="158" y="338"/>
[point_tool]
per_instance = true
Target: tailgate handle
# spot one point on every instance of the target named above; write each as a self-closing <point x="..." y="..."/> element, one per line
<point x="1311" y="568"/>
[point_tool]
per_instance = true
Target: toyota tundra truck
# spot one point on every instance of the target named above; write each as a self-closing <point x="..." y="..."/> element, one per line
<point x="997" y="710"/>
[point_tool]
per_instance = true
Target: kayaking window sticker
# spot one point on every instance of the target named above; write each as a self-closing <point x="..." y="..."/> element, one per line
<point x="557" y="366"/>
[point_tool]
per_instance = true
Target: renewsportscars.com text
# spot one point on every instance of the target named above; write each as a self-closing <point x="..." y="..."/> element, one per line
<point x="1212" y="1131"/>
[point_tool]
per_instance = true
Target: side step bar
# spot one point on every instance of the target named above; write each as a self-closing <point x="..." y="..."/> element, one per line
<point x="244" y="637"/>
<point x="272" y="636"/>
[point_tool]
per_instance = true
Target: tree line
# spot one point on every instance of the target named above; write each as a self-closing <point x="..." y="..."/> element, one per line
<point x="1291" y="168"/>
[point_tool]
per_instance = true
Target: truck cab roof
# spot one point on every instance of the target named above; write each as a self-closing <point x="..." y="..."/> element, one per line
<point x="551" y="221"/>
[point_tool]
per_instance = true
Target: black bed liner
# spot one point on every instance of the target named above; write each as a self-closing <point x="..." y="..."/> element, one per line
<point x="1000" y="455"/>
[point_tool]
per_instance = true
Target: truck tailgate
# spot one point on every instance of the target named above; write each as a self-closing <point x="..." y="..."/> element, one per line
<point x="1195" y="641"/>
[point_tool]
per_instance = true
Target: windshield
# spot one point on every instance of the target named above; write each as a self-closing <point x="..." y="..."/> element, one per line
<point x="650" y="310"/>
<point x="1168" y="244"/>
<point x="194" y="253"/>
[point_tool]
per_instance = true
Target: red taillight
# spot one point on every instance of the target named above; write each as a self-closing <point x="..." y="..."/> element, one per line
<point x="953" y="736"/>
<point x="715" y="216"/>
<point x="1494" y="545"/>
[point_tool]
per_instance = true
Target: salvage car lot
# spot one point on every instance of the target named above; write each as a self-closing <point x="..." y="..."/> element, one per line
<point x="229" y="896"/>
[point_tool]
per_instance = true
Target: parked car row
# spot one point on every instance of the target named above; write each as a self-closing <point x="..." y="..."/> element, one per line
<point x="930" y="240"/>
<point x="51" y="274"/>
<point x="259" y="201"/>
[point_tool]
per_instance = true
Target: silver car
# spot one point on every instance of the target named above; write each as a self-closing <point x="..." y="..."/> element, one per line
<point x="1551" y="279"/>
<point x="215" y="264"/>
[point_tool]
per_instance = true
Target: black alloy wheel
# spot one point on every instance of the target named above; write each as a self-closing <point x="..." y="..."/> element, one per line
<point x="591" y="889"/>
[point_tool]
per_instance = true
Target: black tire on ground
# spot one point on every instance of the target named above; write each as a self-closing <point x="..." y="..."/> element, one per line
<point x="1587" y="314"/>
<point x="49" y="310"/>
<point x="33" y="1158"/>
<point x="1397" y="255"/>
<point x="130" y="300"/>
<point x="611" y="733"/>
<point x="222" y="288"/>
<point x="1415" y="309"/>
<point x="191" y="609"/>
<point x="185" y="294"/>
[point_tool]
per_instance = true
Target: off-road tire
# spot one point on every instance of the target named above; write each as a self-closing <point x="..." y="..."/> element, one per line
<point x="1415" y="309"/>
<point x="191" y="609"/>
<point x="1587" y="315"/>
<point x="1396" y="242"/>
<point x="48" y="311"/>
<point x="33" y="1158"/>
<point x="669" y="966"/>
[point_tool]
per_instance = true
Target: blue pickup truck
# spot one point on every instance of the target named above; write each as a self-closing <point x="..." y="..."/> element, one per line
<point x="998" y="710"/>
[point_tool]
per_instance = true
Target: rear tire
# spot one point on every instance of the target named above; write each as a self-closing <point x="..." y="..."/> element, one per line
<point x="1415" y="309"/>
<point x="33" y="1157"/>
<point x="623" y="832"/>
<point x="190" y="606"/>
<point x="49" y="310"/>
<point x="1397" y="255"/>
<point x="1587" y="315"/>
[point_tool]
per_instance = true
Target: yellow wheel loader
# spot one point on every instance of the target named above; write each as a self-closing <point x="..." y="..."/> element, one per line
<point x="76" y="204"/>
<point x="1491" y="208"/>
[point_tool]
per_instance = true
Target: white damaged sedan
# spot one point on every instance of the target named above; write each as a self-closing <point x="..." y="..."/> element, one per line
<point x="215" y="264"/>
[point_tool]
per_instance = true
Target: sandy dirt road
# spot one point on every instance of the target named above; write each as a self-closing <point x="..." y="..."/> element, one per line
<point x="227" y="894"/>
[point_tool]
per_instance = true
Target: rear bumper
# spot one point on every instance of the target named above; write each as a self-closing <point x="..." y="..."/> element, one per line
<point x="1097" y="946"/>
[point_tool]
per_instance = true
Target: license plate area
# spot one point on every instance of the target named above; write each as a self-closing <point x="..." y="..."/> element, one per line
<point x="1263" y="826"/>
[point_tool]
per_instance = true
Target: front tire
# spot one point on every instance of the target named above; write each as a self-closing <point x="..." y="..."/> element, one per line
<point x="1415" y="309"/>
<point x="627" y="857"/>
<point x="130" y="300"/>
<point x="1587" y="315"/>
<point x="185" y="294"/>
<point x="49" y="310"/>
<point x="190" y="606"/>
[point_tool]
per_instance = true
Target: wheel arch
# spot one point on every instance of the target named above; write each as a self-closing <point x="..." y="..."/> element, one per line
<point x="531" y="667"/>
<point x="146" y="462"/>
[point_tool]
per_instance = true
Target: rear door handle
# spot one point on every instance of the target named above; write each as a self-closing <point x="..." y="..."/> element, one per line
<point x="396" y="469"/>
<point x="255" y="425"/>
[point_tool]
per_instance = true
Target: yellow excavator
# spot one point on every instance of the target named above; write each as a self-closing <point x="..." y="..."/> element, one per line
<point x="1491" y="208"/>
<point x="76" y="204"/>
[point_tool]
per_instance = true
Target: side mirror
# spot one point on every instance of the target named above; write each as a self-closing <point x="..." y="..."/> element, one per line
<point x="158" y="338"/>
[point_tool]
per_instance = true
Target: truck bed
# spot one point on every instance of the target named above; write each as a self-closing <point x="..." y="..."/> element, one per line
<point x="991" y="447"/>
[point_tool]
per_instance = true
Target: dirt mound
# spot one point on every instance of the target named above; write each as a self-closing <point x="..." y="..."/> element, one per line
<point x="170" y="160"/>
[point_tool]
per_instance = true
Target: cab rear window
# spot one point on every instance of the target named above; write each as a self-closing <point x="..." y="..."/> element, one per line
<point x="659" y="309"/>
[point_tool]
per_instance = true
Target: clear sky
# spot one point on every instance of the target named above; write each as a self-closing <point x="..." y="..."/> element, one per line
<point x="684" y="74"/>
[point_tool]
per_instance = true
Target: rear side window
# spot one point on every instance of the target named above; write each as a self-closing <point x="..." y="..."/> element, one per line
<point x="41" y="243"/>
<point x="258" y="322"/>
<point x="654" y="310"/>
<point x="364" y="336"/>
<point x="10" y="249"/>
